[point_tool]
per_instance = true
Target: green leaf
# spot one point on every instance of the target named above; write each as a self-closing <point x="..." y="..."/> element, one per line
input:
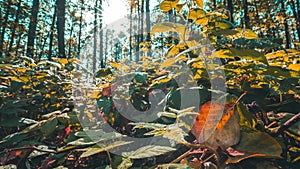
<point x="102" y="147"/>
<point x="246" y="119"/>
<point x="103" y="72"/>
<point x="148" y="151"/>
<point x="82" y="142"/>
<point x="249" y="54"/>
<point x="224" y="24"/>
<point x="256" y="144"/>
<point x="49" y="126"/>
<point x="16" y="121"/>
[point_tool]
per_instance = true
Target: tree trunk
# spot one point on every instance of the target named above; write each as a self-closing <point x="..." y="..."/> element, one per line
<point x="52" y="34"/>
<point x="95" y="36"/>
<point x="130" y="32"/>
<point x="32" y="27"/>
<point x="13" y="31"/>
<point x="70" y="37"/>
<point x="80" y="31"/>
<point x="4" y="27"/>
<point x="142" y="22"/>
<point x="230" y="8"/>
<point x="148" y="38"/>
<point x="246" y="16"/>
<point x="297" y="17"/>
<point x="137" y="36"/>
<point x="286" y="26"/>
<point x="61" y="4"/>
<point x="101" y="35"/>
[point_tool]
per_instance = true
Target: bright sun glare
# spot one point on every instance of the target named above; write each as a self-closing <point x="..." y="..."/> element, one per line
<point x="114" y="10"/>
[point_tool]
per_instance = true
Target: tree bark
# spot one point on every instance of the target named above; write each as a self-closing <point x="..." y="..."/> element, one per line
<point x="101" y="36"/>
<point x="4" y="27"/>
<point x="32" y="28"/>
<point x="13" y="31"/>
<point x="80" y="30"/>
<point x="231" y="10"/>
<point x="130" y="32"/>
<point x="52" y="34"/>
<point x="61" y="4"/>
<point x="295" y="13"/>
<point x="246" y="16"/>
<point x="95" y="36"/>
<point x="148" y="38"/>
<point x="286" y="26"/>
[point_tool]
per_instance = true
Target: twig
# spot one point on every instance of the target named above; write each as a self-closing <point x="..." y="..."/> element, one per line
<point x="27" y="148"/>
<point x="288" y="124"/>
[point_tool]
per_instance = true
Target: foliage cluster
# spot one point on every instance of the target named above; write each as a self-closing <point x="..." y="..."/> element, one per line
<point x="40" y="128"/>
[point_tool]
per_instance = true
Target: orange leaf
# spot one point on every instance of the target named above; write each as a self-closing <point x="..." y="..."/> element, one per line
<point x="217" y="125"/>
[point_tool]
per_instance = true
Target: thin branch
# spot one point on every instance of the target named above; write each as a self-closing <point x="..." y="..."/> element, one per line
<point x="288" y="123"/>
<point x="27" y="148"/>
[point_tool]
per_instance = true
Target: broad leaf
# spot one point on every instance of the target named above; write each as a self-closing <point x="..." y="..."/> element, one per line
<point x="148" y="151"/>
<point x="256" y="144"/>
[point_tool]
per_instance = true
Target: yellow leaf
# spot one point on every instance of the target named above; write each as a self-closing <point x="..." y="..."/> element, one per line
<point x="297" y="43"/>
<point x="25" y="78"/>
<point x="173" y="51"/>
<point x="202" y="21"/>
<point x="249" y="34"/>
<point x="179" y="7"/>
<point x="26" y="87"/>
<point x="198" y="74"/>
<point x="276" y="54"/>
<point x="192" y="43"/>
<point x="22" y="69"/>
<point x="168" y="26"/>
<point x="13" y="78"/>
<point x="196" y="13"/>
<point x="168" y="5"/>
<point x="95" y="95"/>
<point x="115" y="65"/>
<point x="89" y="115"/>
<point x="62" y="61"/>
<point x="56" y="105"/>
<point x="199" y="3"/>
<point x="293" y="51"/>
<point x="295" y="67"/>
<point x="164" y="80"/>
<point x="168" y="63"/>
<point x="223" y="53"/>
<point x="47" y="96"/>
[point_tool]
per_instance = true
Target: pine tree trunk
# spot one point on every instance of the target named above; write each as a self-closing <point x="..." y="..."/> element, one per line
<point x="130" y="32"/>
<point x="230" y="8"/>
<point x="13" y="31"/>
<point x="101" y="36"/>
<point x="4" y="24"/>
<point x="95" y="36"/>
<point x="52" y="34"/>
<point x="80" y="31"/>
<point x="286" y="26"/>
<point x="148" y="38"/>
<point x="246" y="16"/>
<point x="32" y="27"/>
<point x="61" y="4"/>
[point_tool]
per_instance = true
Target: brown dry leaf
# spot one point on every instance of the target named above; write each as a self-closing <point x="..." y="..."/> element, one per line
<point x="217" y="125"/>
